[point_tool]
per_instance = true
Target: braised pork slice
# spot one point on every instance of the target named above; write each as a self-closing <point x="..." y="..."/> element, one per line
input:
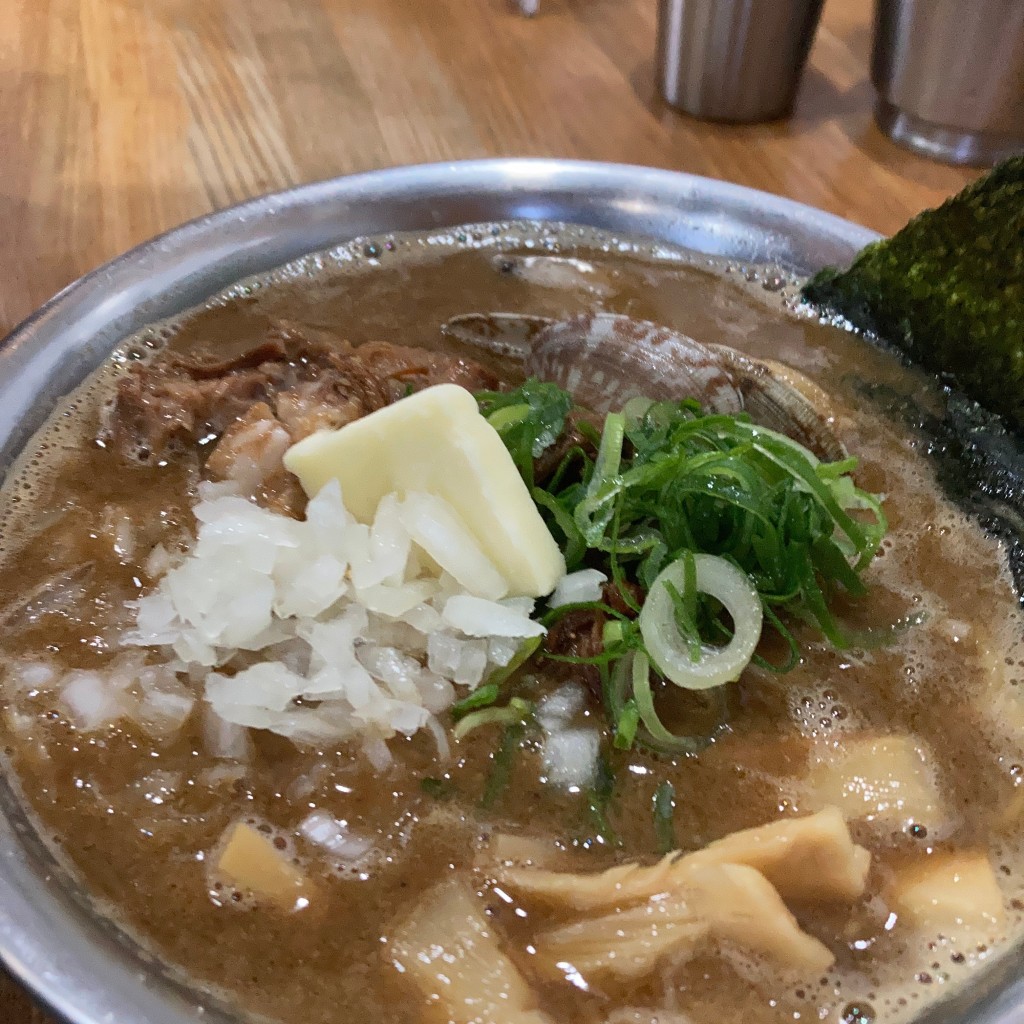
<point x="307" y="384"/>
<point x="258" y="403"/>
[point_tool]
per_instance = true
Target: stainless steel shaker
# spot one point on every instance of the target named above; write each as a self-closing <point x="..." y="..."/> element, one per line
<point x="733" y="60"/>
<point x="950" y="77"/>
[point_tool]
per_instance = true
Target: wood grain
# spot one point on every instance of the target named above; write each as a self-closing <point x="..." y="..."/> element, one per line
<point x="120" y="119"/>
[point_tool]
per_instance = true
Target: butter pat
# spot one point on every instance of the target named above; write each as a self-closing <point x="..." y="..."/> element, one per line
<point x="436" y="441"/>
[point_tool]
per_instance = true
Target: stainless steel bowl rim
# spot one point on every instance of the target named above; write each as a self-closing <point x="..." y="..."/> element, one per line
<point x="74" y="960"/>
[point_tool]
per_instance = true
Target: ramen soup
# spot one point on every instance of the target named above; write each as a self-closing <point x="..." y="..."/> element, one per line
<point x="360" y="680"/>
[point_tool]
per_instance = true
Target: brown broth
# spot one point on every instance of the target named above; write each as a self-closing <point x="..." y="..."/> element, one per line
<point x="138" y="821"/>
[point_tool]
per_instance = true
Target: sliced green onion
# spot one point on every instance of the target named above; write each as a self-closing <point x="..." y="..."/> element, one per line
<point x="485" y="695"/>
<point x="515" y="712"/>
<point x="636" y="409"/>
<point x="527" y="649"/>
<point x="595" y="511"/>
<point x="617" y="687"/>
<point x="793" y="658"/>
<point x="661" y="739"/>
<point x="839" y="468"/>
<point x="671" y="652"/>
<point x="626" y="725"/>
<point x="660" y="480"/>
<point x="795" y="459"/>
<point x="502" y="418"/>
<point x="549" y="618"/>
<point x="599" y="796"/>
<point x="664" y="807"/>
<point x="575" y="543"/>
<point x="612" y="633"/>
<point x="685" y="606"/>
<point x="501" y="771"/>
<point x="482" y="697"/>
<point x="576" y="454"/>
<point x="618" y="576"/>
<point x="609" y="454"/>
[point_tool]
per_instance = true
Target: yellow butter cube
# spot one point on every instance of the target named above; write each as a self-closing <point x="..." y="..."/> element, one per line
<point x="437" y="442"/>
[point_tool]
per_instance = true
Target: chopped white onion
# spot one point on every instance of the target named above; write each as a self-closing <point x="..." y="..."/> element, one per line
<point x="269" y="685"/>
<point x="424" y="619"/>
<point x="476" y="616"/>
<point x="570" y="757"/>
<point x="312" y="588"/>
<point x="502" y="649"/>
<point x="387" y="547"/>
<point x="89" y="701"/>
<point x="378" y="754"/>
<point x="396" y="601"/>
<point x="437" y="692"/>
<point x="364" y="631"/>
<point x="520" y="605"/>
<point x="32" y="675"/>
<point x="396" y="670"/>
<point x="462" y="661"/>
<point x="434" y="727"/>
<point x="124" y="539"/>
<point x="557" y="709"/>
<point x="332" y="835"/>
<point x="19" y="721"/>
<point x="398" y="633"/>
<point x="577" y="587"/>
<point x="162" y="713"/>
<point x="221" y="775"/>
<point x="225" y="740"/>
<point x="156" y="621"/>
<point x="158" y="561"/>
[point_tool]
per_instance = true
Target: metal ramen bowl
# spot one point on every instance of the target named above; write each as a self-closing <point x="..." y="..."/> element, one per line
<point x="51" y="938"/>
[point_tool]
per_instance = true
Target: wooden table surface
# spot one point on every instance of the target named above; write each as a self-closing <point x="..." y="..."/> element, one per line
<point x="119" y="119"/>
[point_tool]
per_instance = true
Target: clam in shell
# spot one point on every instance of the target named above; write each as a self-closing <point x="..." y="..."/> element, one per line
<point x="605" y="359"/>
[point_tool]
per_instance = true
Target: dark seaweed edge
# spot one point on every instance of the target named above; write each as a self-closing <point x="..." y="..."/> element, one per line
<point x="978" y="458"/>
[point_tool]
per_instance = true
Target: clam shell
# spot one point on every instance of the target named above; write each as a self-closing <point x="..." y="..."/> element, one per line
<point x="604" y="359"/>
<point x="780" y="397"/>
<point x="511" y="335"/>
